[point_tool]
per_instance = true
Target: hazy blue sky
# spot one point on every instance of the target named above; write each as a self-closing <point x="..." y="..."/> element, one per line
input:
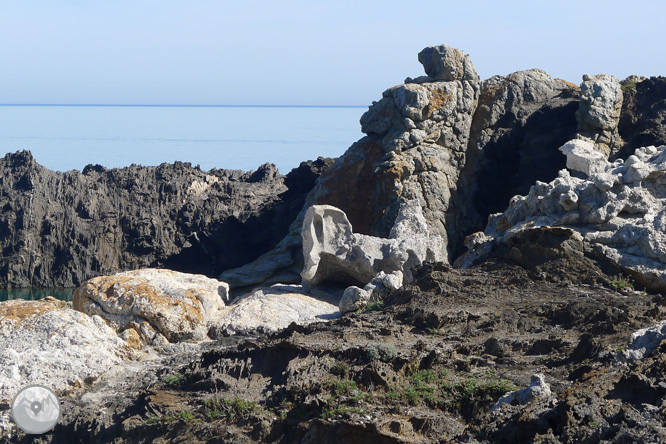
<point x="303" y="52"/>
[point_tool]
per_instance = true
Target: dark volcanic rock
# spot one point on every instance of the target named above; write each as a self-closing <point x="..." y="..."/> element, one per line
<point x="521" y="121"/>
<point x="643" y="118"/>
<point x="59" y="229"/>
<point x="428" y="367"/>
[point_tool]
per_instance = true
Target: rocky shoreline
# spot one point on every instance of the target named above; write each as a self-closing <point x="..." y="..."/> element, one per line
<point x="486" y="265"/>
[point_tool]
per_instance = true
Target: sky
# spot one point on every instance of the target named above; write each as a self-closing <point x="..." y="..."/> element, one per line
<point x="291" y="52"/>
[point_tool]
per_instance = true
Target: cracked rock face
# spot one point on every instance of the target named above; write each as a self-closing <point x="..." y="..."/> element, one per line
<point x="521" y="121"/>
<point x="160" y="305"/>
<point x="445" y="63"/>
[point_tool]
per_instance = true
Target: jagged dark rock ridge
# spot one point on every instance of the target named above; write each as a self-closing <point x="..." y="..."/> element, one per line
<point x="60" y="229"/>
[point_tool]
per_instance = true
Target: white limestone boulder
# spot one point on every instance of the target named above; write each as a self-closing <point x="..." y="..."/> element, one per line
<point x="274" y="308"/>
<point x="582" y="157"/>
<point x="333" y="252"/>
<point x="645" y="341"/>
<point x="599" y="112"/>
<point x="160" y="305"/>
<point x="354" y="298"/>
<point x="538" y="390"/>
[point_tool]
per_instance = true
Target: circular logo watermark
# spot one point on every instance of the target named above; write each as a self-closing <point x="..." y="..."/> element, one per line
<point x="36" y="409"/>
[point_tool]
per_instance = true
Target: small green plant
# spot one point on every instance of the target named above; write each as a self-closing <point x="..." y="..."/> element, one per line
<point x="431" y="331"/>
<point x="283" y="409"/>
<point x="345" y="398"/>
<point x="621" y="284"/>
<point x="185" y="415"/>
<point x="469" y="391"/>
<point x="381" y="352"/>
<point x="174" y="380"/>
<point x="233" y="408"/>
<point x="153" y="420"/>
<point x="340" y="369"/>
<point x="342" y="411"/>
<point x="181" y="415"/>
<point x="341" y="387"/>
<point x="628" y="86"/>
<point x="374" y="306"/>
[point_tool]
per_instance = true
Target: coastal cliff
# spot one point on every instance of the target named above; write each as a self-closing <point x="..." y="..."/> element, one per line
<point x="462" y="148"/>
<point x="486" y="265"/>
<point x="60" y="229"/>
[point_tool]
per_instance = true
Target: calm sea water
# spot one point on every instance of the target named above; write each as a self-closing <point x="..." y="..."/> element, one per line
<point x="36" y="293"/>
<point x="63" y="138"/>
<point x="70" y="137"/>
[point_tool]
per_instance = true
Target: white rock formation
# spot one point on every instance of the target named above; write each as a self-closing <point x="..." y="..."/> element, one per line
<point x="582" y="157"/>
<point x="646" y="340"/>
<point x="274" y="308"/>
<point x="333" y="252"/>
<point x="537" y="390"/>
<point x="380" y="286"/>
<point x="598" y="114"/>
<point x="354" y="298"/>
<point x="619" y="210"/>
<point x="161" y="305"/>
<point x="45" y="342"/>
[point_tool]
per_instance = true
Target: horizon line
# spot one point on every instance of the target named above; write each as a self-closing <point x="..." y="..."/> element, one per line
<point x="147" y="105"/>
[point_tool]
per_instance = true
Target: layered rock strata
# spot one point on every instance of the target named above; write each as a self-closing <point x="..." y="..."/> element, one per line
<point x="60" y="229"/>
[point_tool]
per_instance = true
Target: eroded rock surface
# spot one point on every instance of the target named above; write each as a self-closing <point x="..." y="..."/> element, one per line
<point x="643" y="117"/>
<point x="521" y="121"/>
<point x="332" y="251"/>
<point x="60" y="229"/>
<point x="274" y="308"/>
<point x="599" y="113"/>
<point x="618" y="209"/>
<point x="428" y="367"/>
<point x="160" y="305"/>
<point x="414" y="151"/>
<point x="45" y="342"/>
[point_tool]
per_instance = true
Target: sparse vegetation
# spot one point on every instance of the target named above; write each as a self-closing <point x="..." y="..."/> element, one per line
<point x="345" y="398"/>
<point x="181" y="415"/>
<point x="174" y="380"/>
<point x="232" y="409"/>
<point x="373" y="306"/>
<point x="381" y="352"/>
<point x="340" y="369"/>
<point x="621" y="284"/>
<point x="437" y="388"/>
<point x="628" y="86"/>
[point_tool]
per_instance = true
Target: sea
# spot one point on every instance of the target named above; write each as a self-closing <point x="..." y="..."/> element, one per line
<point x="69" y="137"/>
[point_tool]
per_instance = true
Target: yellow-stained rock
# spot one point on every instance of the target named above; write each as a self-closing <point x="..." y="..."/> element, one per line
<point x="156" y="303"/>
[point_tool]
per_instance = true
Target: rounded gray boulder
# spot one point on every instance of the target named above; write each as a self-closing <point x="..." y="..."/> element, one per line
<point x="448" y="64"/>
